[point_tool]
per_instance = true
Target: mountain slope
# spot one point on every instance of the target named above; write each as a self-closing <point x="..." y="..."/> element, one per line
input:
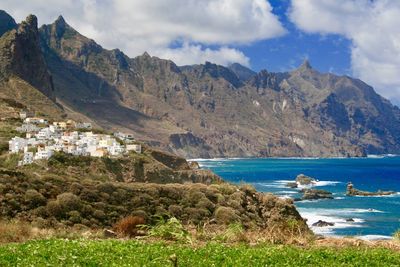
<point x="202" y="110"/>
<point x="212" y="111"/>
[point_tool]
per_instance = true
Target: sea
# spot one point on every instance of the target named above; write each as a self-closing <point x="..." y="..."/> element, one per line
<point x="376" y="217"/>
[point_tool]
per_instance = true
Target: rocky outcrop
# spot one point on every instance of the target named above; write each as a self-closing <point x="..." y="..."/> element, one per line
<point x="314" y="194"/>
<point x="321" y="223"/>
<point x="302" y="179"/>
<point x="292" y="185"/>
<point x="21" y="56"/>
<point x="351" y="191"/>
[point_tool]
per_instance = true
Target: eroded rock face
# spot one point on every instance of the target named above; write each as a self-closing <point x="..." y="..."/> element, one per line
<point x="7" y="23"/>
<point x="351" y="191"/>
<point x="21" y="55"/>
<point x="202" y="110"/>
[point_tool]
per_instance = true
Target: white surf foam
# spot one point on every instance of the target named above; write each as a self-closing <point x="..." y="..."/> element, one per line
<point x="286" y="192"/>
<point x="374" y="237"/>
<point x="336" y="216"/>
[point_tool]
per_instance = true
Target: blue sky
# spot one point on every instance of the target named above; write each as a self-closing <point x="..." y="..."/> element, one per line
<point x="327" y="53"/>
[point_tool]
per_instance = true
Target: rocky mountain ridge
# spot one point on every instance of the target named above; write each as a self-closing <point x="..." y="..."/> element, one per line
<point x="208" y="110"/>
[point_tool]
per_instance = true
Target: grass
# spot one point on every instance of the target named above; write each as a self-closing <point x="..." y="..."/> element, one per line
<point x="137" y="253"/>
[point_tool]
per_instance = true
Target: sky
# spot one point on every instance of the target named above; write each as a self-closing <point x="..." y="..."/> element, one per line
<point x="359" y="38"/>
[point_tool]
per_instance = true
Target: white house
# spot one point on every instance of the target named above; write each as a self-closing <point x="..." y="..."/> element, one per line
<point x="116" y="149"/>
<point x="126" y="137"/>
<point x="134" y="147"/>
<point x="35" y="120"/>
<point x="44" y="134"/>
<point x="17" y="144"/>
<point x="43" y="154"/>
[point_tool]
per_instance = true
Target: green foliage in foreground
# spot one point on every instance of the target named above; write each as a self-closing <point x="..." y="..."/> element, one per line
<point x="136" y="253"/>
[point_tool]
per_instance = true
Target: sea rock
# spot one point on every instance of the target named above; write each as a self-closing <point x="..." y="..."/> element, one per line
<point x="302" y="179"/>
<point x="292" y="185"/>
<point x="349" y="220"/>
<point x="321" y="223"/>
<point x="351" y="191"/>
<point x="313" y="194"/>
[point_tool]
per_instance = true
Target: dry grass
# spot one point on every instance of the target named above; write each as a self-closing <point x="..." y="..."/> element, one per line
<point x="345" y="242"/>
<point x="15" y="231"/>
<point x="129" y="226"/>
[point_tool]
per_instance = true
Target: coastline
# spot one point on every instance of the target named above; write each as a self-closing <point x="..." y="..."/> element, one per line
<point x="364" y="210"/>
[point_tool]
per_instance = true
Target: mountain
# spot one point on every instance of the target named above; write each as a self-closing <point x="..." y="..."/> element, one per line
<point x="207" y="110"/>
<point x="24" y="76"/>
<point x="242" y="72"/>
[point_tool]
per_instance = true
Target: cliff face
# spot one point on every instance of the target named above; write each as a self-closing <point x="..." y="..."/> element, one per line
<point x="21" y="56"/>
<point x="204" y="110"/>
<point x="212" y="111"/>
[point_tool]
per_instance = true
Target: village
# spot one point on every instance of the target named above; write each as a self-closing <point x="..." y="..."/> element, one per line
<point x="42" y="139"/>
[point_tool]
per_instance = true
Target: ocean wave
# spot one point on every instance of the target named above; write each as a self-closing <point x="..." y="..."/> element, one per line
<point x="396" y="194"/>
<point x="339" y="223"/>
<point x="343" y="211"/>
<point x="286" y="192"/>
<point x="374" y="237"/>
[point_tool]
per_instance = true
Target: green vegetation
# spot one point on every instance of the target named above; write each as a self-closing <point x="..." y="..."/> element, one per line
<point x="136" y="253"/>
<point x="396" y="235"/>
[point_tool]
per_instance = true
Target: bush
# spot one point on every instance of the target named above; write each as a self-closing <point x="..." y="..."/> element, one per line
<point x="34" y="198"/>
<point x="129" y="226"/>
<point x="171" y="229"/>
<point x="69" y="201"/>
<point x="226" y="215"/>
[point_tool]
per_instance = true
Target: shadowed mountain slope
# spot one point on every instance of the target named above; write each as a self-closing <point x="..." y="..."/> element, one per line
<point x="209" y="110"/>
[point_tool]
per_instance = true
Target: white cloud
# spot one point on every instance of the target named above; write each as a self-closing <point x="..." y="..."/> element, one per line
<point x="136" y="26"/>
<point x="373" y="28"/>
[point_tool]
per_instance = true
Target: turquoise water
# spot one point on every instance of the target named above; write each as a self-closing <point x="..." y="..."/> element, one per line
<point x="374" y="217"/>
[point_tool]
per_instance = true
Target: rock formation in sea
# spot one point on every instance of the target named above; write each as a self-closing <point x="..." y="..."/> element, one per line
<point x="352" y="191"/>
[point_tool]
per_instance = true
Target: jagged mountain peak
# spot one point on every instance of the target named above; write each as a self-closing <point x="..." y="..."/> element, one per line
<point x="29" y="24"/>
<point x="7" y="22"/>
<point x="146" y="55"/>
<point x="21" y="56"/>
<point x="60" y="20"/>
<point x="241" y="71"/>
<point x="305" y="65"/>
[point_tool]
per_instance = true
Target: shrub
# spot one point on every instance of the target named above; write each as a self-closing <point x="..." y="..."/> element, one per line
<point x="99" y="214"/>
<point x="234" y="232"/>
<point x="54" y="209"/>
<point x="74" y="216"/>
<point x="171" y="229"/>
<point x="34" y="198"/>
<point x="175" y="210"/>
<point x="226" y="215"/>
<point x="129" y="226"/>
<point x="69" y="201"/>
